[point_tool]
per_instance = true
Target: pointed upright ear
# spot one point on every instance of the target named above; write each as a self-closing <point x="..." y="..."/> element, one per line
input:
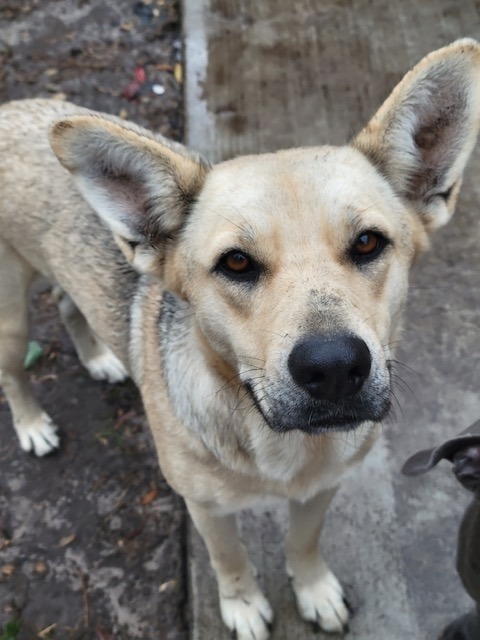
<point x="422" y="136"/>
<point x="420" y="462"/>
<point x="140" y="184"/>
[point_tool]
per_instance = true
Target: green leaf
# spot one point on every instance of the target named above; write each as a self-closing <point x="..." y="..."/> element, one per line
<point x="34" y="353"/>
<point x="11" y="630"/>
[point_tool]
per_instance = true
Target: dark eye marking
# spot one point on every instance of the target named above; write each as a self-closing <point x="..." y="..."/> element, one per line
<point x="446" y="194"/>
<point x="368" y="246"/>
<point x="238" y="266"/>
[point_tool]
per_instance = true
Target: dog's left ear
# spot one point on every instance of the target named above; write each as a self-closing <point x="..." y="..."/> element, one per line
<point x="422" y="136"/>
<point x="140" y="184"/>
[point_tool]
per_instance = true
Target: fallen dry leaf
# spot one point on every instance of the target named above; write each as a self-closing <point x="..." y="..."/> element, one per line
<point x="178" y="72"/>
<point x="4" y="542"/>
<point x="8" y="569"/>
<point x="123" y="417"/>
<point x="45" y="632"/>
<point x="67" y="540"/>
<point x="40" y="567"/>
<point x="149" y="497"/>
<point x="167" y="585"/>
<point x="47" y="376"/>
<point x="164" y="67"/>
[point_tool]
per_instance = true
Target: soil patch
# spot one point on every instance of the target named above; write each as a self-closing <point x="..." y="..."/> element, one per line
<point x="91" y="538"/>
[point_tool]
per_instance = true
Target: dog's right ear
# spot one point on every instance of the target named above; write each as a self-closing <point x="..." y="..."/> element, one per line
<point x="140" y="184"/>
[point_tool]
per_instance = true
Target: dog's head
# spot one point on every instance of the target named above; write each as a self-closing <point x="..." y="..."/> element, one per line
<point x="463" y="451"/>
<point x="295" y="263"/>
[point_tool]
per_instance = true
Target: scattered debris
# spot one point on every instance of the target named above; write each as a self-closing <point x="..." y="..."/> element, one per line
<point x="8" y="570"/>
<point x="164" y="67"/>
<point x="178" y="72"/>
<point x="149" y="497"/>
<point x="167" y="585"/>
<point x="47" y="631"/>
<point x="158" y="89"/>
<point x="46" y="377"/>
<point x="133" y="89"/>
<point x="64" y="542"/>
<point x="123" y="416"/>
<point x="34" y="353"/>
<point x="41" y="567"/>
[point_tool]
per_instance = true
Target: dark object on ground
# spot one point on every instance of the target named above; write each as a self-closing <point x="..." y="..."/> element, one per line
<point x="464" y="453"/>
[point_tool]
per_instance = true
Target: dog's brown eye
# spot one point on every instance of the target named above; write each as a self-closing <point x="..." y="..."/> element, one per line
<point x="237" y="262"/>
<point x="239" y="266"/>
<point x="367" y="243"/>
<point x="368" y="246"/>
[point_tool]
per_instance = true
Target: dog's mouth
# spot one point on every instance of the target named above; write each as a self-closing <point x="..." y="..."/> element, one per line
<point x="317" y="418"/>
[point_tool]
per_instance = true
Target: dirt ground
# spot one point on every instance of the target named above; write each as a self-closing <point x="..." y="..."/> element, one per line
<point x="91" y="538"/>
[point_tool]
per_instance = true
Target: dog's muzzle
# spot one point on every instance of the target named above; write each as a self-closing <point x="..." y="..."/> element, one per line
<point x="329" y="386"/>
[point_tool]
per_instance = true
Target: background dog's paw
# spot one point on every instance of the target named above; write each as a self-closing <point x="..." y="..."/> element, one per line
<point x="248" y="615"/>
<point x="39" y="436"/>
<point x="106" y="366"/>
<point x="323" y="603"/>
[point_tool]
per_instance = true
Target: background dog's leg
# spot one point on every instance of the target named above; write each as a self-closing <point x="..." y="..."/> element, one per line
<point x="34" y="427"/>
<point x="318" y="593"/>
<point x="243" y="606"/>
<point x="95" y="356"/>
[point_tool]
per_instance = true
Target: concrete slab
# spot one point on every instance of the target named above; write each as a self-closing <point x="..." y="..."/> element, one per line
<point x="272" y="74"/>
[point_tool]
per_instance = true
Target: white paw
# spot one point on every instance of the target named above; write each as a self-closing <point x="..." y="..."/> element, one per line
<point x="40" y="435"/>
<point x="323" y="602"/>
<point x="106" y="366"/>
<point x="247" y="614"/>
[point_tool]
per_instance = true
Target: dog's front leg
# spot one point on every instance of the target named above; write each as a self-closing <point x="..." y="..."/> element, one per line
<point x="243" y="606"/>
<point x="318" y="593"/>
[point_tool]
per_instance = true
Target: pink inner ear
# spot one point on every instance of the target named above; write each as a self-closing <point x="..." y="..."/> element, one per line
<point x="437" y="141"/>
<point x="129" y="195"/>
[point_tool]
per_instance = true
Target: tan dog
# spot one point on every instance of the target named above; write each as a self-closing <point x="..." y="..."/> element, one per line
<point x="254" y="303"/>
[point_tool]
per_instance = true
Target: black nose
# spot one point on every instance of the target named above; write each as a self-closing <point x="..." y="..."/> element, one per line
<point x="330" y="369"/>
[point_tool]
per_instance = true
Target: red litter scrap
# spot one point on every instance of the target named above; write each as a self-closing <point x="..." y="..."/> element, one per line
<point x="140" y="75"/>
<point x="133" y="89"/>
